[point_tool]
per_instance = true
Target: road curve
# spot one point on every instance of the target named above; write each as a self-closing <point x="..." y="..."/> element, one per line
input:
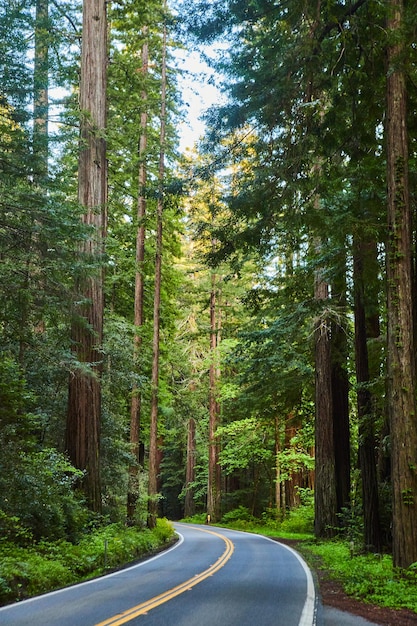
<point x="211" y="576"/>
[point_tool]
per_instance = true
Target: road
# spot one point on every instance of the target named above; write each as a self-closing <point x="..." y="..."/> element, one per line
<point x="211" y="577"/>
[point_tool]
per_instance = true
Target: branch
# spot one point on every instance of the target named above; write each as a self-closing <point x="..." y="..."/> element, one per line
<point x="331" y="25"/>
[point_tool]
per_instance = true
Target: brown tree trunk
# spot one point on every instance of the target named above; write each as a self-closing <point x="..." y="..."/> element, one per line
<point x="153" y="435"/>
<point x="366" y="412"/>
<point x="84" y="399"/>
<point x="214" y="474"/>
<point x="325" y="497"/>
<point x="135" y="407"/>
<point x="279" y="505"/>
<point x="400" y="357"/>
<point x="340" y="396"/>
<point x="189" y="506"/>
<point x="41" y="85"/>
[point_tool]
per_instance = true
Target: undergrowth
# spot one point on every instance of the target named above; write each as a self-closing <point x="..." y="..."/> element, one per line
<point x="367" y="577"/>
<point x="44" y="566"/>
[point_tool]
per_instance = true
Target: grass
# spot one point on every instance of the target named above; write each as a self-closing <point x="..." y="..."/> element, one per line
<point x="45" y="566"/>
<point x="369" y="578"/>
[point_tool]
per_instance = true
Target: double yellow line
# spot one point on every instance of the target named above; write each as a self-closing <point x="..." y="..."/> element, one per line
<point x="147" y="606"/>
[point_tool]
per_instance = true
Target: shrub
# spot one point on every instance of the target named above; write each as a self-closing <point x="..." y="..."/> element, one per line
<point x="45" y="566"/>
<point x="241" y="514"/>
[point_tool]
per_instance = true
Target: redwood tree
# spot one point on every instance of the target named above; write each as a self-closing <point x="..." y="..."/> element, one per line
<point x="84" y="401"/>
<point x="154" y="457"/>
<point x="400" y="353"/>
<point x="135" y="407"/>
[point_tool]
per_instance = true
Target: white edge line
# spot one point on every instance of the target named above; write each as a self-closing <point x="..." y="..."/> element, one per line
<point x="97" y="578"/>
<point x="308" y="614"/>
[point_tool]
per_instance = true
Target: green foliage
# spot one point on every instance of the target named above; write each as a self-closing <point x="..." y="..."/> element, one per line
<point x="298" y="522"/>
<point x="241" y="514"/>
<point x="37" y="497"/>
<point x="245" y="442"/>
<point x="370" y="577"/>
<point x="25" y="572"/>
<point x="198" y="518"/>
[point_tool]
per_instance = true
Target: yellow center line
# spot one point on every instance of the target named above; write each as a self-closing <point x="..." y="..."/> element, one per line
<point x="147" y="606"/>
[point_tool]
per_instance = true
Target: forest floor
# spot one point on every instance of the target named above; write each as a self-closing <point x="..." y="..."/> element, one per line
<point x="332" y="594"/>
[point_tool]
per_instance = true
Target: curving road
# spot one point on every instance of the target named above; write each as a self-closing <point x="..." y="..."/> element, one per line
<point x="210" y="577"/>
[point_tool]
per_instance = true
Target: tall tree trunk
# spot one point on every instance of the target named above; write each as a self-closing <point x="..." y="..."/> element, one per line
<point x="400" y="357"/>
<point x="84" y="400"/>
<point x="214" y="473"/>
<point x="154" y="457"/>
<point x="41" y="87"/>
<point x="340" y="394"/>
<point x="279" y="505"/>
<point x="135" y="407"/>
<point x="366" y="412"/>
<point x="325" y="476"/>
<point x="189" y="506"/>
<point x="40" y="165"/>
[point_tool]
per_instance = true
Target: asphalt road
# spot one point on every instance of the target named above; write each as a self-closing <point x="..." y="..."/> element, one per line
<point x="211" y="577"/>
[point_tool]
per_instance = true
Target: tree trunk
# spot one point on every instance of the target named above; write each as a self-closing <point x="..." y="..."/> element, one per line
<point x="214" y="475"/>
<point x="400" y="357"/>
<point x="84" y="401"/>
<point x="41" y="85"/>
<point x="153" y="435"/>
<point x="340" y="395"/>
<point x="278" y="500"/>
<point x="135" y="407"/>
<point x="366" y="412"/>
<point x="325" y="476"/>
<point x="189" y="506"/>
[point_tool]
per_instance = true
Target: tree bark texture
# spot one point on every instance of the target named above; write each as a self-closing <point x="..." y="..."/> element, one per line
<point x="154" y="457"/>
<point x="84" y="401"/>
<point x="325" y="497"/>
<point x="400" y="358"/>
<point x="189" y="505"/>
<point x="340" y="394"/>
<point x="41" y="88"/>
<point x="135" y="406"/>
<point x="214" y="473"/>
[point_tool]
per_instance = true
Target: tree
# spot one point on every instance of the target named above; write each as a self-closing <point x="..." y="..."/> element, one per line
<point x="214" y="473"/>
<point x="325" y="498"/>
<point x="153" y="434"/>
<point x="41" y="85"/>
<point x="84" y="399"/>
<point x="139" y="304"/>
<point x="401" y="343"/>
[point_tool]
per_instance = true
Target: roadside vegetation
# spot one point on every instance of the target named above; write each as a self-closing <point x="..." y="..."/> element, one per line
<point x="36" y="568"/>
<point x="365" y="576"/>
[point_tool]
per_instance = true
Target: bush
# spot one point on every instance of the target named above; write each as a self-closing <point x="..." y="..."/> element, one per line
<point x="45" y="566"/>
<point x="299" y="520"/>
<point x="368" y="577"/>
<point x="241" y="514"/>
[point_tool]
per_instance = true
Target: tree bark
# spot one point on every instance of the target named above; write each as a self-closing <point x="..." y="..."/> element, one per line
<point x="189" y="506"/>
<point x="41" y="88"/>
<point x="325" y="498"/>
<point x="135" y="407"/>
<point x="84" y="400"/>
<point x="400" y="358"/>
<point x="154" y="457"/>
<point x="340" y="394"/>
<point x="214" y="474"/>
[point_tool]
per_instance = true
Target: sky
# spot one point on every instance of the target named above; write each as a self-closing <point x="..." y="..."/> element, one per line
<point x="198" y="93"/>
